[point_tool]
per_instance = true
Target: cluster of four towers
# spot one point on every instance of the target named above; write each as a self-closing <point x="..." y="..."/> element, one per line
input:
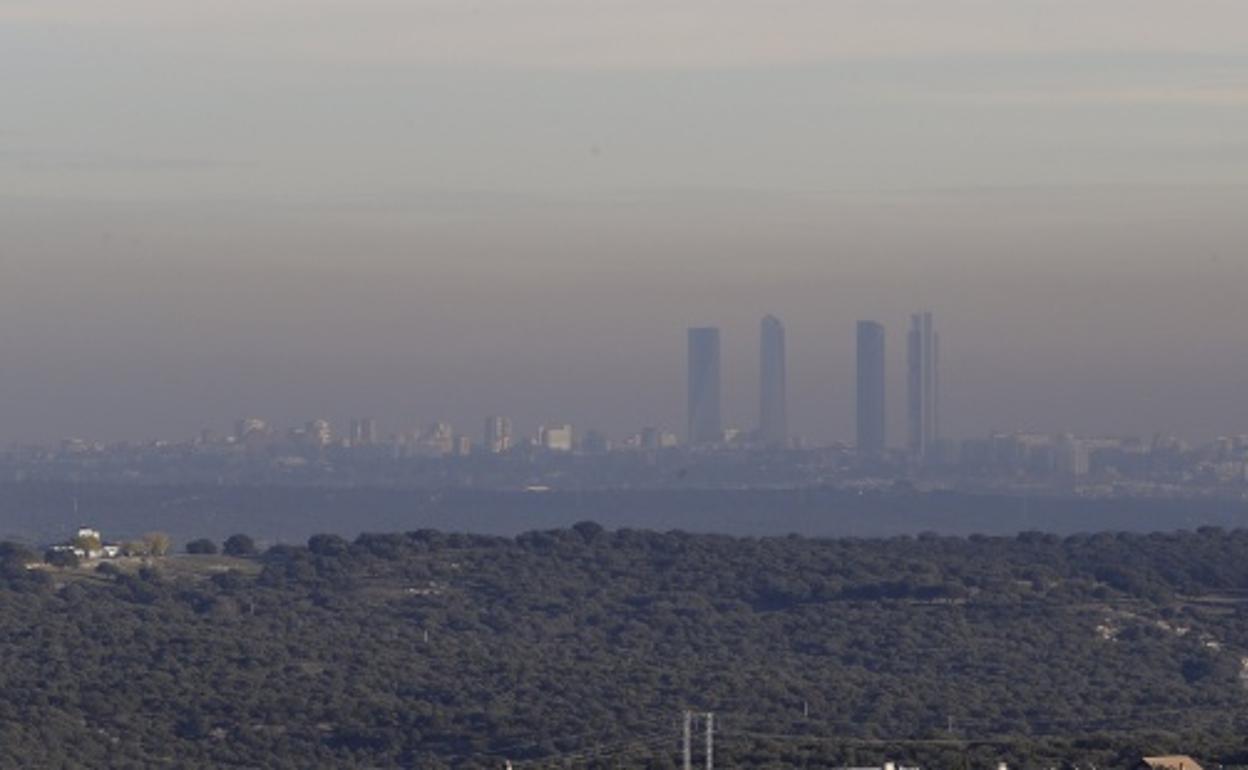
<point x="705" y="423"/>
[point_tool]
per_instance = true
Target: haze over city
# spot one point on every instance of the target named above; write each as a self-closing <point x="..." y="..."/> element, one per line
<point x="441" y="210"/>
<point x="599" y="384"/>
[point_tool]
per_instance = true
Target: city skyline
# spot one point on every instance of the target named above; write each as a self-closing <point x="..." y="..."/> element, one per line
<point x="704" y="353"/>
<point x="499" y="220"/>
<point x="1063" y="461"/>
<point x="560" y="456"/>
<point x="705" y="423"/>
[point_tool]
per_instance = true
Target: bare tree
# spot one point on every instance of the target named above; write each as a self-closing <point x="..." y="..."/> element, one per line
<point x="157" y="543"/>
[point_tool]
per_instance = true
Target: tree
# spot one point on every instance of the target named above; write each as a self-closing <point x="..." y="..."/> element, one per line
<point x="157" y="543"/>
<point x="202" y="546"/>
<point x="240" y="545"/>
<point x="87" y="543"/>
<point x="134" y="548"/>
<point x="589" y="530"/>
<point x="17" y="554"/>
<point x="328" y="545"/>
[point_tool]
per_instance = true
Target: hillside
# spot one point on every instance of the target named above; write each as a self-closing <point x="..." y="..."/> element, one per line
<point x="427" y="649"/>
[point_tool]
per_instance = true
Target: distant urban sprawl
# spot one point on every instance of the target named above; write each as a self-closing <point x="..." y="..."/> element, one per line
<point x="709" y="454"/>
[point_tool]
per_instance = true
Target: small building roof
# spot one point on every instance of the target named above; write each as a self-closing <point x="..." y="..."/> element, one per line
<point x="1171" y="762"/>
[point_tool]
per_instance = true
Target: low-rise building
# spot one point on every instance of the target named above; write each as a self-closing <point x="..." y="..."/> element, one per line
<point x="89" y="544"/>
<point x="1167" y="762"/>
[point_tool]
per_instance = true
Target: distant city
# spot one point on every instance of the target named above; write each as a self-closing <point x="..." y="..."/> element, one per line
<point x="710" y="454"/>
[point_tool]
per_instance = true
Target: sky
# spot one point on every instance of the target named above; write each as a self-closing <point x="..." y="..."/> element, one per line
<point x="441" y="209"/>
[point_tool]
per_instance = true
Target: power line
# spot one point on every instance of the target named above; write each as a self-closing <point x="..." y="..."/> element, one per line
<point x="711" y="725"/>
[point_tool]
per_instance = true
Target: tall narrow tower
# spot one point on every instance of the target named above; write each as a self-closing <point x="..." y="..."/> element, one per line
<point x="870" y="400"/>
<point x="705" y="423"/>
<point x="497" y="434"/>
<point x="922" y="385"/>
<point x="773" y="416"/>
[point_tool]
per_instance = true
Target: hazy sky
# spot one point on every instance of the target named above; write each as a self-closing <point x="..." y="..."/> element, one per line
<point x="424" y="209"/>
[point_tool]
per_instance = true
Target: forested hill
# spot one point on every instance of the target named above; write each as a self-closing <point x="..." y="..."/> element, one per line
<point x="584" y="646"/>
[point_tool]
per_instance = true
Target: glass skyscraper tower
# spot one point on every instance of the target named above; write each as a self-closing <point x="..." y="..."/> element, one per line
<point x="870" y="396"/>
<point x="773" y="418"/>
<point x="922" y="385"/>
<point x="705" y="423"/>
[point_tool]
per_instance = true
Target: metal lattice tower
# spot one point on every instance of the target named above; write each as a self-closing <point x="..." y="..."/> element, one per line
<point x="708" y="721"/>
<point x="710" y="741"/>
<point x="688" y="744"/>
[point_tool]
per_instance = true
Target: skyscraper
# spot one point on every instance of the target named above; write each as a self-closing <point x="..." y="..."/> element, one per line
<point x="497" y="434"/>
<point x="437" y="439"/>
<point x="922" y="384"/>
<point x="705" y="423"/>
<point x="870" y="388"/>
<point x="318" y="433"/>
<point x="247" y="426"/>
<point x="773" y="417"/>
<point x="556" y="438"/>
<point x="363" y="431"/>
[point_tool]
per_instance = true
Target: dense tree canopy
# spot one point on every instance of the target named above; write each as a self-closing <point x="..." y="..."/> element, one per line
<point x="239" y="545"/>
<point x="201" y="546"/>
<point x="428" y="649"/>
